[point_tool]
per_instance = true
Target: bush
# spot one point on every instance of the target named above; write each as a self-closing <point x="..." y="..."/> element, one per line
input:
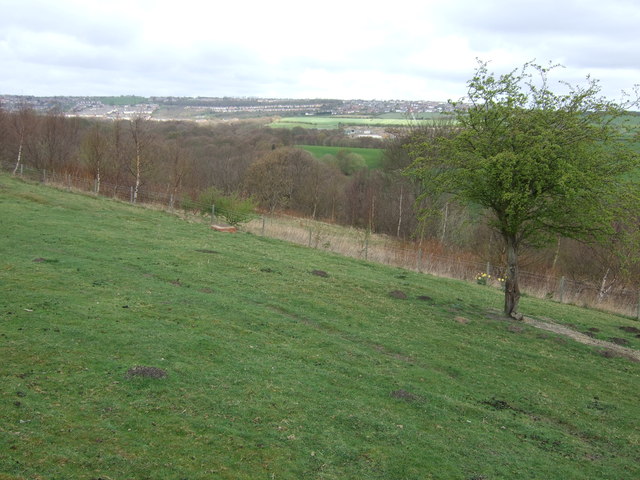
<point x="233" y="208"/>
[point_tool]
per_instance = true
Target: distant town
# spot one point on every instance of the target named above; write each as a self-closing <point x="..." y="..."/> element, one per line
<point x="211" y="108"/>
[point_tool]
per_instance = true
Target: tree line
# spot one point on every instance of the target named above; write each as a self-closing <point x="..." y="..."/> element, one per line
<point x="261" y="166"/>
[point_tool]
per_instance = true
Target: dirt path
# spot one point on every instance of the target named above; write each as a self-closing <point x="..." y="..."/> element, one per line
<point x="619" y="350"/>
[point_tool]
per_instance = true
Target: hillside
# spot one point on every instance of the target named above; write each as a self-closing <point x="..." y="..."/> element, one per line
<point x="137" y="345"/>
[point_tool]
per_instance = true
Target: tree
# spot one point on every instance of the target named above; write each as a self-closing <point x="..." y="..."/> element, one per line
<point x="94" y="149"/>
<point x="276" y="180"/>
<point x="541" y="163"/>
<point x="141" y="161"/>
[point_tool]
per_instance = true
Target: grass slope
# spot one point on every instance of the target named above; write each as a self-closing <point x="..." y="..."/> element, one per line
<point x="276" y="372"/>
<point x="372" y="156"/>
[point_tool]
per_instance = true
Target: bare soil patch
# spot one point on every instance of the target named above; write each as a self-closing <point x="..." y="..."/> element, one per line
<point x="398" y="294"/>
<point x="611" y="349"/>
<point x="405" y="395"/>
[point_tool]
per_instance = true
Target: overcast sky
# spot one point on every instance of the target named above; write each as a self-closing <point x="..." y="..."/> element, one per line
<point x="290" y="48"/>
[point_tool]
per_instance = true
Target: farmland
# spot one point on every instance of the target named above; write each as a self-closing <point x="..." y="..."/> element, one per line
<point x="372" y="156"/>
<point x="338" y="121"/>
<point x="138" y="345"/>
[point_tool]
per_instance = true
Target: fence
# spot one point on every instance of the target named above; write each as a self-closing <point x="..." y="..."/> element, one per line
<point x="357" y="243"/>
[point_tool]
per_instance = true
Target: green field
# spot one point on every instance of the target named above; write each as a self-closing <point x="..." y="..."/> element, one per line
<point x="372" y="156"/>
<point x="275" y="370"/>
<point x="335" y="122"/>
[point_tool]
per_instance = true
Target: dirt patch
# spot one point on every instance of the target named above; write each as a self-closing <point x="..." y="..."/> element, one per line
<point x="320" y="273"/>
<point x="269" y="270"/>
<point x="205" y="290"/>
<point x="146" y="372"/>
<point x="515" y="329"/>
<point x="619" y="341"/>
<point x="405" y="395"/>
<point x="497" y="404"/>
<point x="611" y="349"/>
<point x="44" y="260"/>
<point x="425" y="298"/>
<point x="204" y="250"/>
<point x="630" y="329"/>
<point x="398" y="294"/>
<point x="462" y="320"/>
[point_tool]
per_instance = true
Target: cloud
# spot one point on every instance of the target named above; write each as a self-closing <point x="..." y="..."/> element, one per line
<point x="281" y="48"/>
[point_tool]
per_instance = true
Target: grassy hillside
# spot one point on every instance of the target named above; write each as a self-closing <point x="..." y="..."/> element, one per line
<point x="372" y="156"/>
<point x="281" y="362"/>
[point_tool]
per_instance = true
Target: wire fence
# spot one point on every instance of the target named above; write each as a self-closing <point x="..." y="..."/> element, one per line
<point x="351" y="242"/>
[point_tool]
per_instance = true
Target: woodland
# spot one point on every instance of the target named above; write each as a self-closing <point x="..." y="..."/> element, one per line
<point x="263" y="167"/>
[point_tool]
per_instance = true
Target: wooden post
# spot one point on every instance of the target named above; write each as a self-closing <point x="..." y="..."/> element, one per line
<point x="562" y="289"/>
<point x="131" y="194"/>
<point x="366" y="246"/>
<point x="68" y="182"/>
<point x="310" y="234"/>
<point x="419" y="261"/>
<point x="44" y="176"/>
<point x="213" y="214"/>
<point x="264" y="220"/>
<point x="21" y="169"/>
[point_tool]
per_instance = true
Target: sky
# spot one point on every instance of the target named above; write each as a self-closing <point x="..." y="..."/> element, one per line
<point x="346" y="49"/>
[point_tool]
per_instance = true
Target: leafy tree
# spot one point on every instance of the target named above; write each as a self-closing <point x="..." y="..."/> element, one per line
<point x="540" y="163"/>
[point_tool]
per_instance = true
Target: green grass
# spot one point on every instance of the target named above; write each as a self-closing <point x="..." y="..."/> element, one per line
<point x="123" y="100"/>
<point x="274" y="372"/>
<point x="335" y="122"/>
<point x="372" y="156"/>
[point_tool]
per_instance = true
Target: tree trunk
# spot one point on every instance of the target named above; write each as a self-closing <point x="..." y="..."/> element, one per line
<point x="15" y="170"/>
<point x="511" y="288"/>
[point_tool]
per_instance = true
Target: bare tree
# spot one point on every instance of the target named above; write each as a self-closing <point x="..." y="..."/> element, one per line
<point x="94" y="150"/>
<point x="141" y="161"/>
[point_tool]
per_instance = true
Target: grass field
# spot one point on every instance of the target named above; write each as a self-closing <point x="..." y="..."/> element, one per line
<point x="372" y="156"/>
<point x="335" y="122"/>
<point x="281" y="362"/>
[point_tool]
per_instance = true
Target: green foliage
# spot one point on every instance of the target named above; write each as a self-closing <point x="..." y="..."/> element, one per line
<point x="274" y="372"/>
<point x="232" y="207"/>
<point x="541" y="163"/>
<point x="371" y="156"/>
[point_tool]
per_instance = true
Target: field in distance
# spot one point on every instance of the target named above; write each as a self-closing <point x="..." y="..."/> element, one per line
<point x="138" y="345"/>
<point x="372" y="156"/>
<point x="338" y="121"/>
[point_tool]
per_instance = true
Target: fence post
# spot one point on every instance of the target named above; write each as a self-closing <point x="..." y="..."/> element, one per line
<point x="562" y="289"/>
<point x="21" y="169"/>
<point x="264" y="219"/>
<point x="488" y="269"/>
<point x="419" y="261"/>
<point x="44" y="175"/>
<point x="131" y="194"/>
<point x="68" y="181"/>
<point x="213" y="213"/>
<point x="171" y="202"/>
<point x="366" y="245"/>
<point x="310" y="234"/>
